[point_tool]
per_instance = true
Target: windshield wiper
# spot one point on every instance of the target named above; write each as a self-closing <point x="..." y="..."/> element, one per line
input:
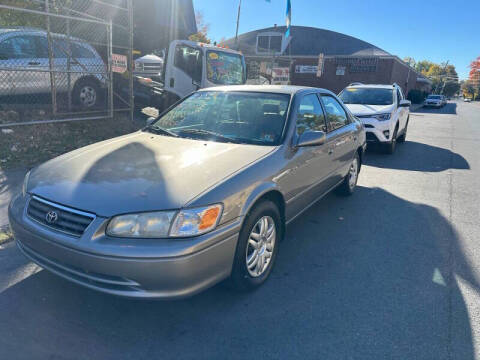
<point x="206" y="132"/>
<point x="161" y="131"/>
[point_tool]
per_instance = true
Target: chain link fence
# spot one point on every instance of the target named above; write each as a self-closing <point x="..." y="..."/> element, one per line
<point x="64" y="60"/>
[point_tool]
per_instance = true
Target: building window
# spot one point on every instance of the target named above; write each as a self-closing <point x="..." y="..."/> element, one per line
<point x="268" y="43"/>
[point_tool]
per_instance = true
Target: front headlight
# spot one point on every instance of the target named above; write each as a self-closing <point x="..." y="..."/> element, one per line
<point x="382" y="117"/>
<point x="162" y="224"/>
<point x="25" y="184"/>
<point x="197" y="221"/>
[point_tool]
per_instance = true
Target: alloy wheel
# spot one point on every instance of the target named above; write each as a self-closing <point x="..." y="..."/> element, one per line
<point x="353" y="172"/>
<point x="88" y="96"/>
<point x="261" y="243"/>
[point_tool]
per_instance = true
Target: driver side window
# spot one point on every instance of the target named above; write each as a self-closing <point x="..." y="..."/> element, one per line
<point x="310" y="115"/>
<point x="189" y="60"/>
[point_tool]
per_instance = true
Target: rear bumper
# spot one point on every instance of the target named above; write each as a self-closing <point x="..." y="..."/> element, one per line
<point x="138" y="277"/>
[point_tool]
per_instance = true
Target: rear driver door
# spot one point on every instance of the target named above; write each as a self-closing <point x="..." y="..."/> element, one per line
<point x="341" y="138"/>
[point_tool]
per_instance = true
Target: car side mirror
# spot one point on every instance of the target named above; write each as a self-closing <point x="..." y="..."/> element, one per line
<point x="404" y="103"/>
<point x="151" y="120"/>
<point x="196" y="84"/>
<point x="311" y="138"/>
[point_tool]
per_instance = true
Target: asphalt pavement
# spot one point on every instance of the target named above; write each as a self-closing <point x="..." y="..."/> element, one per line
<point x="392" y="272"/>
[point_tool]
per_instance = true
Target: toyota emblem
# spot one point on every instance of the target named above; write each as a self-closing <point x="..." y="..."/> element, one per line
<point x="51" y="217"/>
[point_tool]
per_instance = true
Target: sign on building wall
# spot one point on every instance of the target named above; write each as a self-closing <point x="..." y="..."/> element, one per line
<point x="280" y="76"/>
<point x="358" y="64"/>
<point x="321" y="59"/>
<point x="340" y="70"/>
<point x="306" y="69"/>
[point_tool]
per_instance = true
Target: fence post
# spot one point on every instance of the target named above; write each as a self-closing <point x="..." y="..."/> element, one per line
<point x="69" y="65"/>
<point x="109" y="69"/>
<point x="50" y="61"/>
<point x="130" y="56"/>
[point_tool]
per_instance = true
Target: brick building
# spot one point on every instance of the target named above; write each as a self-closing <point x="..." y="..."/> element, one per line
<point x="322" y="58"/>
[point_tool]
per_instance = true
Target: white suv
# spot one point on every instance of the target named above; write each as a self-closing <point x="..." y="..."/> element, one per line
<point x="382" y="109"/>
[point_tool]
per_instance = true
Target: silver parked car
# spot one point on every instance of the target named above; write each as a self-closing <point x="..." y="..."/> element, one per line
<point x="24" y="66"/>
<point x="200" y="195"/>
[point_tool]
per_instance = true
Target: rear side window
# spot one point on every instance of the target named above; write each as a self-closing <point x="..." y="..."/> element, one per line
<point x="310" y="115"/>
<point x="336" y="115"/>
<point x="79" y="51"/>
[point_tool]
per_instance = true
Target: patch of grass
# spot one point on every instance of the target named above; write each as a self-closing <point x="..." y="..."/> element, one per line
<point x="5" y="235"/>
<point x="27" y="145"/>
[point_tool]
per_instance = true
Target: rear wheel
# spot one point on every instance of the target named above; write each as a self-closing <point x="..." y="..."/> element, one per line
<point x="347" y="187"/>
<point x="257" y="247"/>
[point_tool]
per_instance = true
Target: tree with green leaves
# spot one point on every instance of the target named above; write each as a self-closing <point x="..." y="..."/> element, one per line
<point x="202" y="27"/>
<point x="10" y="18"/>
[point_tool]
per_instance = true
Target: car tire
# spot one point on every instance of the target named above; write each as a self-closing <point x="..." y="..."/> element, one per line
<point x="347" y="187"/>
<point x="86" y="94"/>
<point x="391" y="146"/>
<point x="246" y="274"/>
<point x="403" y="137"/>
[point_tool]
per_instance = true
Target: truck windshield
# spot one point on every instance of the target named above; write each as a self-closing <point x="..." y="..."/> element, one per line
<point x="225" y="68"/>
<point x="367" y="96"/>
<point x="239" y="117"/>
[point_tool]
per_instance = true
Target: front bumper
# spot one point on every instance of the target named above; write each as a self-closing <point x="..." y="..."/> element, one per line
<point x="432" y="104"/>
<point x="189" y="266"/>
<point x="375" y="130"/>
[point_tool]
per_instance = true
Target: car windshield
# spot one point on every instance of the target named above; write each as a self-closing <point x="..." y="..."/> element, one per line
<point x="434" y="97"/>
<point x="225" y="68"/>
<point x="367" y="96"/>
<point x="239" y="117"/>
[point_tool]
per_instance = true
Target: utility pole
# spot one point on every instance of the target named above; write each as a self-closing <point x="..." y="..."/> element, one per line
<point x="443" y="83"/>
<point x="238" y="23"/>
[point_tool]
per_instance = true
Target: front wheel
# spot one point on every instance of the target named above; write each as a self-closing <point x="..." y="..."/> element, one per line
<point x="402" y="137"/>
<point x="391" y="146"/>
<point x="257" y="247"/>
<point x="86" y="94"/>
<point x="347" y="187"/>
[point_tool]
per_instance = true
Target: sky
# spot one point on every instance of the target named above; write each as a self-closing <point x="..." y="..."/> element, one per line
<point x="437" y="30"/>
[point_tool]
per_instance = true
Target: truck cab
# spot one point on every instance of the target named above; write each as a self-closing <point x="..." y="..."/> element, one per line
<point x="191" y="65"/>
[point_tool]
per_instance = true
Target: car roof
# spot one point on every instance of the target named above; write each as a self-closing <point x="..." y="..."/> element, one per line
<point x="36" y="31"/>
<point x="371" y="86"/>
<point x="280" y="89"/>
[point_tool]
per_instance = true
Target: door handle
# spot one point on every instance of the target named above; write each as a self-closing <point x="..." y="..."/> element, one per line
<point x="34" y="63"/>
<point x="330" y="151"/>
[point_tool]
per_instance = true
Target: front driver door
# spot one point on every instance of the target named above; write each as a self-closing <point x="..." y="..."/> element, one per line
<point x="308" y="166"/>
<point x="183" y="69"/>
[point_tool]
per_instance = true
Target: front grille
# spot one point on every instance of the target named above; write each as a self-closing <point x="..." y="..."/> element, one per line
<point x="371" y="136"/>
<point x="364" y="116"/>
<point x="58" y="217"/>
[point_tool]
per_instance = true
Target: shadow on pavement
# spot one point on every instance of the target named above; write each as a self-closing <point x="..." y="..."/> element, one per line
<point x="352" y="281"/>
<point x="450" y="108"/>
<point x="415" y="156"/>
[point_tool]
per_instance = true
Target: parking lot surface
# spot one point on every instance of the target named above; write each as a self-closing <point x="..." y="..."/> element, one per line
<point x="392" y="272"/>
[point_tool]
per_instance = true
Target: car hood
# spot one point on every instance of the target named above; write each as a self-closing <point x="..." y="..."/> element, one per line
<point x="139" y="172"/>
<point x="360" y="109"/>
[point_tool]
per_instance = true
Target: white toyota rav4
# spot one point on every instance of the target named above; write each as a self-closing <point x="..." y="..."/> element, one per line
<point x="382" y="109"/>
